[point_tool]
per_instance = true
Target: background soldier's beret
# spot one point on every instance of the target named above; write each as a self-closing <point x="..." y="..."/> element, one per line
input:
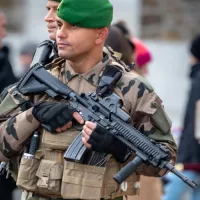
<point x="56" y="0"/>
<point x="86" y="13"/>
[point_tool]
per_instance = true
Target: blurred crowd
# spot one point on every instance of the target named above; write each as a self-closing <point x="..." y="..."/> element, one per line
<point x="138" y="57"/>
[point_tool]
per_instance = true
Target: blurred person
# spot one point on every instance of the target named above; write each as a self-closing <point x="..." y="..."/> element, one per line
<point x="7" y="185"/>
<point x="142" y="57"/>
<point x="26" y="55"/>
<point x="5" y="66"/>
<point x="52" y="6"/>
<point x="50" y="18"/>
<point x="120" y="40"/>
<point x="188" y="160"/>
<point x="81" y="52"/>
<point x="3" y="31"/>
<point x="28" y="50"/>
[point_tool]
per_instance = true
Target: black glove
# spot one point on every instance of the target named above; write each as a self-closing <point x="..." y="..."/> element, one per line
<point x="102" y="141"/>
<point x="53" y="115"/>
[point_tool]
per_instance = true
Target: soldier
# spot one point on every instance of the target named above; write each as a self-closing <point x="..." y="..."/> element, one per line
<point x="82" y="31"/>
<point x="50" y="18"/>
<point x="8" y="184"/>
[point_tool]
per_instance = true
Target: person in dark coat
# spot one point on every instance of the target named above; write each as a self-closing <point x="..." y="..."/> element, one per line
<point x="7" y="76"/>
<point x="188" y="160"/>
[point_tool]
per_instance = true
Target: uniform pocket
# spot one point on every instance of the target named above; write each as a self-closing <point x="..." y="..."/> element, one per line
<point x="27" y="178"/>
<point x="82" y="181"/>
<point x="151" y="106"/>
<point x="49" y="176"/>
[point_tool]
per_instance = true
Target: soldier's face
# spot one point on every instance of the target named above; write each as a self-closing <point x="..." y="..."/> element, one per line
<point x="3" y="31"/>
<point x="51" y="19"/>
<point x="75" y="42"/>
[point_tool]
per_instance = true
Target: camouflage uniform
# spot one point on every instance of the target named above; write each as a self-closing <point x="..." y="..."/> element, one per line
<point x="139" y="100"/>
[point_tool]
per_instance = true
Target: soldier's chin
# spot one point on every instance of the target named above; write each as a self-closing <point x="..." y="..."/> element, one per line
<point x="52" y="36"/>
<point x="64" y="55"/>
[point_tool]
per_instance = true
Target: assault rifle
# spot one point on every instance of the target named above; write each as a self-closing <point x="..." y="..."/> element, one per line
<point x="107" y="113"/>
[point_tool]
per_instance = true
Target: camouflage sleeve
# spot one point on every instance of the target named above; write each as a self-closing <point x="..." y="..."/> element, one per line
<point x="149" y="117"/>
<point x="16" y="125"/>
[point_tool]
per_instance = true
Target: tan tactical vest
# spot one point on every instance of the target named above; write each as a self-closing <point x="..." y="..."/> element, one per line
<point x="50" y="175"/>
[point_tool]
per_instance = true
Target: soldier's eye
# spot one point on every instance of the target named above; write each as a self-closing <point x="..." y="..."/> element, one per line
<point x="73" y="26"/>
<point x="58" y="25"/>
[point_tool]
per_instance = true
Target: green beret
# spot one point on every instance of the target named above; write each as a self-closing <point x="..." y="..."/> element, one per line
<point x="86" y="13"/>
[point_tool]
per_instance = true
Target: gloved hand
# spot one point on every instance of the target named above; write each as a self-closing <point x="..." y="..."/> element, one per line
<point x="100" y="140"/>
<point x="55" y="115"/>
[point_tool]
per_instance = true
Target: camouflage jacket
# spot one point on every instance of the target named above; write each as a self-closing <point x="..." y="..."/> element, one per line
<point x="139" y="101"/>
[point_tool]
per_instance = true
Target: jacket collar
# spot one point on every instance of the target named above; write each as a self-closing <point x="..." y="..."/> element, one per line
<point x="92" y="75"/>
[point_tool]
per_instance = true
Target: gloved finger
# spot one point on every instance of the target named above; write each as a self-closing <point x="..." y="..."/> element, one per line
<point x="96" y="136"/>
<point x="43" y="112"/>
<point x="69" y="124"/>
<point x="49" y="113"/>
<point x="67" y="117"/>
<point x="87" y="130"/>
<point x="94" y="144"/>
<point x="53" y="124"/>
<point x="78" y="118"/>
<point x="91" y="125"/>
<point x="61" y="121"/>
<point x="70" y="109"/>
<point x="85" y="143"/>
<point x="64" y="128"/>
<point x="100" y="129"/>
<point x="58" y="130"/>
<point x="85" y="135"/>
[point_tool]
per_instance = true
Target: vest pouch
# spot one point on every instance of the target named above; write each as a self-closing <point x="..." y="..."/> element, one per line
<point x="111" y="189"/>
<point x="49" y="176"/>
<point x="27" y="179"/>
<point x="82" y="181"/>
<point x="59" y="141"/>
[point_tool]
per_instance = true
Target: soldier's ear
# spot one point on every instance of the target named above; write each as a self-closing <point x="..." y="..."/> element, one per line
<point x="102" y="34"/>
